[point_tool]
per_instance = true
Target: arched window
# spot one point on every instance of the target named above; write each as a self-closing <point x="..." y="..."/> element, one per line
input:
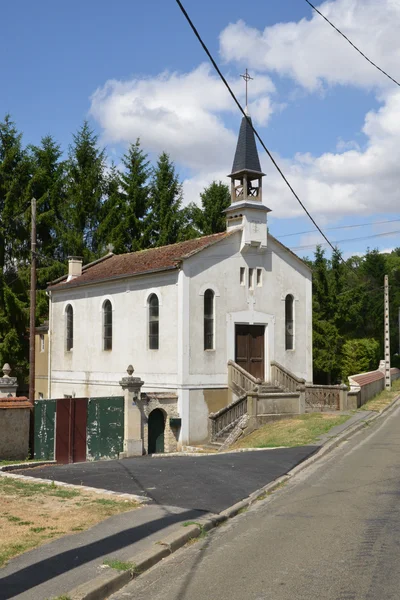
<point x="208" y="320"/>
<point x="69" y="329"/>
<point x="289" y="322"/>
<point x="107" y="325"/>
<point x="153" y="322"/>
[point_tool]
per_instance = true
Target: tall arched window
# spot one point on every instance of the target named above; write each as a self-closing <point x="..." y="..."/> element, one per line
<point x="69" y="327"/>
<point x="153" y="322"/>
<point x="107" y="325"/>
<point x="289" y="322"/>
<point x="208" y="320"/>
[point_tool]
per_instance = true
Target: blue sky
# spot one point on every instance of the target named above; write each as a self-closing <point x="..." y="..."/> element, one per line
<point x="136" y="70"/>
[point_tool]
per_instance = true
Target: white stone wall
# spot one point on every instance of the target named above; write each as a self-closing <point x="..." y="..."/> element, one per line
<point x="218" y="268"/>
<point x="88" y="370"/>
<point x="181" y="365"/>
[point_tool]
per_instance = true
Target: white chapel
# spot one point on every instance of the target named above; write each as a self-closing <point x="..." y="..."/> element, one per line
<point x="180" y="313"/>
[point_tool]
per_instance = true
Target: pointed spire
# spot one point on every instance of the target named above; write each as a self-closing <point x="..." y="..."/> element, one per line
<point x="246" y="156"/>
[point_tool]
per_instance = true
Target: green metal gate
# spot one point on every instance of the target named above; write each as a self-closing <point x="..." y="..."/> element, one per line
<point x="105" y="427"/>
<point x="45" y="412"/>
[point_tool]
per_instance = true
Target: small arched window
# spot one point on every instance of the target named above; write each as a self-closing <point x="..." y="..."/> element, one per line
<point x="289" y="322"/>
<point x="153" y="322"/>
<point x="69" y="328"/>
<point x="208" y="320"/>
<point x="107" y="325"/>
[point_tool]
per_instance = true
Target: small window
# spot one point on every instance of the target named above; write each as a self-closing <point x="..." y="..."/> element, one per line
<point x="153" y="322"/>
<point x="259" y="277"/>
<point x="209" y="320"/>
<point x="41" y="342"/>
<point x="69" y="315"/>
<point x="289" y="322"/>
<point x="242" y="276"/>
<point x="251" y="279"/>
<point x="107" y="325"/>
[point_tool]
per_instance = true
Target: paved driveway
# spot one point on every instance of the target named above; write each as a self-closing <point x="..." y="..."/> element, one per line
<point x="206" y="483"/>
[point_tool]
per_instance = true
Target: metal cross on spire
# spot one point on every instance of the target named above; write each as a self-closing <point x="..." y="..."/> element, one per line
<point x="247" y="78"/>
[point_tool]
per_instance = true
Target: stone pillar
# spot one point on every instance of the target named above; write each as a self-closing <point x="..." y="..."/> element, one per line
<point x="252" y="406"/>
<point x="133" y="440"/>
<point x="8" y="385"/>
<point x="302" y="399"/>
<point x="343" y="397"/>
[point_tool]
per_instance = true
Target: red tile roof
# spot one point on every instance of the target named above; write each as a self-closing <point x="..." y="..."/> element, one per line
<point x="116" y="266"/>
<point x="14" y="402"/>
<point x="366" y="378"/>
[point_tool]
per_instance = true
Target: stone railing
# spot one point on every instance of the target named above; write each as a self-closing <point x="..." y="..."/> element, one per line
<point x="284" y="379"/>
<point x="320" y="398"/>
<point x="239" y="380"/>
<point x="225" y="419"/>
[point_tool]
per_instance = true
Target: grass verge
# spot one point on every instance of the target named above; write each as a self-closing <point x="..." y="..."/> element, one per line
<point x="383" y="399"/>
<point x="120" y="565"/>
<point x="5" y="463"/>
<point x="32" y="514"/>
<point x="297" y="431"/>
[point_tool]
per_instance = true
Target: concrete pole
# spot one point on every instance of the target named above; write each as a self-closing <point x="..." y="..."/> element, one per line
<point x="32" y="307"/>
<point x="387" y="335"/>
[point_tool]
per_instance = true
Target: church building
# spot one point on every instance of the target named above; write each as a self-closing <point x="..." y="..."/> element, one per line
<point x="180" y="313"/>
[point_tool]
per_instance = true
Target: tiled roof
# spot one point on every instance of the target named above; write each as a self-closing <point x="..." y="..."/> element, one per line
<point x="14" y="402"/>
<point x="116" y="266"/>
<point x="246" y="156"/>
<point x="366" y="378"/>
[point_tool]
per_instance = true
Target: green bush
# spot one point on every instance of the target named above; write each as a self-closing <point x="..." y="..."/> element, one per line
<point x="359" y="356"/>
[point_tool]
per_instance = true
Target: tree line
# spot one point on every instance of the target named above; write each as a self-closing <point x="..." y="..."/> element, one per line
<point x="86" y="204"/>
<point x="348" y="313"/>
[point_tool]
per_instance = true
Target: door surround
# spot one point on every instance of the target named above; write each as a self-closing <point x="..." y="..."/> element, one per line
<point x="252" y="317"/>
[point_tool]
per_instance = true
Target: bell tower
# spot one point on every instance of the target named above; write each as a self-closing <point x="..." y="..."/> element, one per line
<point x="247" y="210"/>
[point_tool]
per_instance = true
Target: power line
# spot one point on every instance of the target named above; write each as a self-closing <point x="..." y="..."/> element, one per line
<point x="353" y="45"/>
<point x="341" y="227"/>
<point x="357" y="239"/>
<point x="206" y="50"/>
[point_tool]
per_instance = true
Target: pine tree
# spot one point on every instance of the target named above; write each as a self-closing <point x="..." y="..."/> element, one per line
<point x="48" y="187"/>
<point x="165" y="218"/>
<point x="214" y="200"/>
<point x="15" y="174"/>
<point x="112" y="227"/>
<point x="135" y="195"/>
<point x="84" y="193"/>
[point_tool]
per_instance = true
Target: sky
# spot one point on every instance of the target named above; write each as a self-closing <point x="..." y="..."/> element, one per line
<point x="134" y="69"/>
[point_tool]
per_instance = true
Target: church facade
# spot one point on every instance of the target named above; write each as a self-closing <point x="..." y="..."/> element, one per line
<point x="179" y="313"/>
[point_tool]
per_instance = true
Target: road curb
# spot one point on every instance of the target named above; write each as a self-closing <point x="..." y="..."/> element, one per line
<point x="103" y="586"/>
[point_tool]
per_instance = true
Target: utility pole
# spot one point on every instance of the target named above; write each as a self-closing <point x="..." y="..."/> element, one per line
<point x="388" y="382"/>
<point x="32" y="309"/>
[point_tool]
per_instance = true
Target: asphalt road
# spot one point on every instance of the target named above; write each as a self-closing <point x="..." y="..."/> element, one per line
<point x="331" y="533"/>
<point x="206" y="483"/>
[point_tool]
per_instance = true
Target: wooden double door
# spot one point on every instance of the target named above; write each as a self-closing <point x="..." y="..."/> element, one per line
<point x="249" y="349"/>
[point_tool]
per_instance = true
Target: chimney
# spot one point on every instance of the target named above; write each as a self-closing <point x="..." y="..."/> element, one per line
<point x="74" y="267"/>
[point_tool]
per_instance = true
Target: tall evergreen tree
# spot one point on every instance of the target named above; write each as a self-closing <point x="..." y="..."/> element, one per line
<point x="15" y="174"/>
<point x="48" y="187"/>
<point x="164" y="218"/>
<point x="214" y="200"/>
<point x="135" y="196"/>
<point x="84" y="193"/>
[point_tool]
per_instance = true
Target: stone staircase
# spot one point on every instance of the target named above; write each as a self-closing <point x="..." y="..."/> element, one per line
<point x="243" y="385"/>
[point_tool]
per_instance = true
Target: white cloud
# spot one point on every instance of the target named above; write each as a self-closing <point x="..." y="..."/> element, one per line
<point x="354" y="181"/>
<point x="313" y="54"/>
<point x="179" y="113"/>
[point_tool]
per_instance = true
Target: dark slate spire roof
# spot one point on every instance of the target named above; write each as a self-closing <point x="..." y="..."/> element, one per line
<point x="246" y="156"/>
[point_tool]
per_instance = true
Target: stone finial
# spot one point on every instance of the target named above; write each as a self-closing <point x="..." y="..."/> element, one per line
<point x="130" y="370"/>
<point x="6" y="370"/>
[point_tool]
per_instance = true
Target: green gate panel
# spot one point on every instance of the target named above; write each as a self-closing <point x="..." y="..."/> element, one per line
<point x="105" y="427"/>
<point x="44" y="415"/>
